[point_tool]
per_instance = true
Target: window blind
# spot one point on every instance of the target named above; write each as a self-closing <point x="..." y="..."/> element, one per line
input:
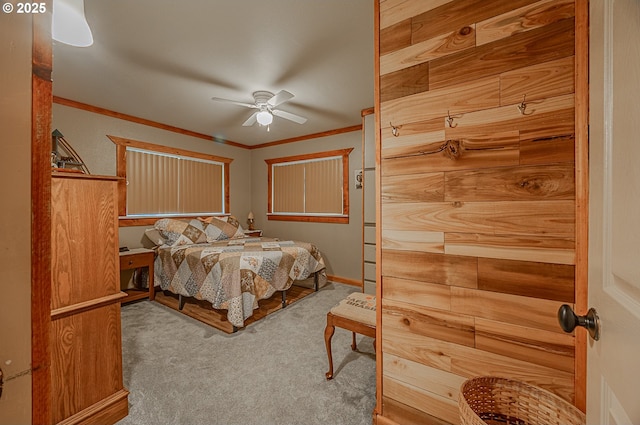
<point x="169" y="184"/>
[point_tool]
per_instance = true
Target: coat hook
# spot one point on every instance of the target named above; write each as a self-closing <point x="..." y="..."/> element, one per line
<point x="523" y="106"/>
<point x="395" y="130"/>
<point x="450" y="120"/>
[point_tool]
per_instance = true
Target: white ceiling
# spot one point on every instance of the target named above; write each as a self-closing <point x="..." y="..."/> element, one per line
<point x="163" y="60"/>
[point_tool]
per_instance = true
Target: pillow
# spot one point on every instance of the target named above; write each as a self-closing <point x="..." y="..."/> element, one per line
<point x="218" y="229"/>
<point x="235" y="223"/>
<point x="154" y="236"/>
<point x="181" y="232"/>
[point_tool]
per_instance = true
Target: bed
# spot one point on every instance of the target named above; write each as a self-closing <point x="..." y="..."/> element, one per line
<point x="212" y="260"/>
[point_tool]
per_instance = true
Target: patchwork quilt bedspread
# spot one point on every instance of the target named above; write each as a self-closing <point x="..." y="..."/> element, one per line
<point x="235" y="274"/>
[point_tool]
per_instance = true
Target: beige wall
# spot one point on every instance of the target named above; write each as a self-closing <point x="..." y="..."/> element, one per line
<point x="87" y="133"/>
<point x="341" y="244"/>
<point x="15" y="223"/>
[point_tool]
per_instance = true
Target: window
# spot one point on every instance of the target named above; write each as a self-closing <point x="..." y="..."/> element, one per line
<point x="313" y="187"/>
<point x="159" y="181"/>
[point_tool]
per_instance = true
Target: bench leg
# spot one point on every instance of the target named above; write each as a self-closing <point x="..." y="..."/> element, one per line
<point x="328" y="334"/>
<point x="354" y="346"/>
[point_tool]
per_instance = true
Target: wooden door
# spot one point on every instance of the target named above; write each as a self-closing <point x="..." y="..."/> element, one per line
<point x="613" y="369"/>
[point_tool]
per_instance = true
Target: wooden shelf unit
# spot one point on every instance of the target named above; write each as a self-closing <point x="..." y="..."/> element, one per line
<point x="86" y="343"/>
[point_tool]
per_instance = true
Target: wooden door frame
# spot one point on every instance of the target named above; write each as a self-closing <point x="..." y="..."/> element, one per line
<point x="41" y="111"/>
<point x="582" y="193"/>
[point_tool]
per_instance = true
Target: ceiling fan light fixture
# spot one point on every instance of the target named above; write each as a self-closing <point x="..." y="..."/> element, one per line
<point x="69" y="23"/>
<point x="264" y="118"/>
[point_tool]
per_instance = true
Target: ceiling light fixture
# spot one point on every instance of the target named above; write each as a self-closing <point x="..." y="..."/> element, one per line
<point x="264" y="117"/>
<point x="69" y="23"/>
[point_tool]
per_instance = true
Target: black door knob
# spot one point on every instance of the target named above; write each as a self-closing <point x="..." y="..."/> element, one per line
<point x="569" y="320"/>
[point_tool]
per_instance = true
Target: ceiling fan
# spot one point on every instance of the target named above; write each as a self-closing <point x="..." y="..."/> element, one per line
<point x="266" y="102"/>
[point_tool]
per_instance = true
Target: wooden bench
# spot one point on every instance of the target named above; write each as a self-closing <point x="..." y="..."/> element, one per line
<point x="357" y="313"/>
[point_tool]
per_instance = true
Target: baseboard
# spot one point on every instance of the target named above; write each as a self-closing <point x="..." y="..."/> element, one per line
<point x="396" y="413"/>
<point x="345" y="280"/>
<point x="107" y="411"/>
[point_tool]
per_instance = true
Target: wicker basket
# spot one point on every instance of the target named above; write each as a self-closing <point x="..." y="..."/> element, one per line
<point x="489" y="400"/>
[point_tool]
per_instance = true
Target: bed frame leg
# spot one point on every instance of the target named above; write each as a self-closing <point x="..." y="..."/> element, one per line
<point x="180" y="302"/>
<point x="315" y="281"/>
<point x="235" y="329"/>
<point x="284" y="299"/>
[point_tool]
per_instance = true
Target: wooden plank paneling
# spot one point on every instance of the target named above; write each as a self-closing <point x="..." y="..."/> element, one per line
<point x="457" y="14"/>
<point x="549" y="125"/>
<point x="417" y="292"/>
<point x="400" y="413"/>
<point x="468" y="362"/>
<point x="405" y="82"/>
<point x="443" y="383"/>
<point x="425" y="187"/>
<point x="418" y="127"/>
<point x="433" y="143"/>
<point x="395" y="37"/>
<point x="476" y="362"/>
<point x="527" y="278"/>
<point x="524" y="19"/>
<point x="398" y="340"/>
<point x="394" y="11"/>
<point x="511" y="183"/>
<point x="551" y="112"/>
<point x="412" y="144"/>
<point x="519" y="310"/>
<point x="545" y="348"/>
<point x="544" y="44"/>
<point x="428" y="267"/>
<point x="443" y="325"/>
<point x="413" y="240"/>
<point x="477" y="198"/>
<point x="476" y="95"/>
<point x="426" y="401"/>
<point x="490" y="157"/>
<point x="550" y="218"/>
<point x="548" y="150"/>
<point x="427" y="50"/>
<point x="541" y="249"/>
<point x="539" y="81"/>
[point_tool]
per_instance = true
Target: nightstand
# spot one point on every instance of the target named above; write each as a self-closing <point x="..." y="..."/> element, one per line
<point x="135" y="259"/>
<point x="253" y="233"/>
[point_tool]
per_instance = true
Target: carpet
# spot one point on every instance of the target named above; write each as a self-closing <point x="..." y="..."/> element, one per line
<point x="181" y="371"/>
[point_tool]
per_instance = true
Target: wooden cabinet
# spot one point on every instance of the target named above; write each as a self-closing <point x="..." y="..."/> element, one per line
<point x="86" y="344"/>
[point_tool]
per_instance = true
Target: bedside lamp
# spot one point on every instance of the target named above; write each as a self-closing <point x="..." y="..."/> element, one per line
<point x="250" y="220"/>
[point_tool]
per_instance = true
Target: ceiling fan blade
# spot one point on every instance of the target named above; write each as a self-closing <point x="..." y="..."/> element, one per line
<point x="251" y="120"/>
<point x="289" y="116"/>
<point x="279" y="98"/>
<point x="246" y="105"/>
